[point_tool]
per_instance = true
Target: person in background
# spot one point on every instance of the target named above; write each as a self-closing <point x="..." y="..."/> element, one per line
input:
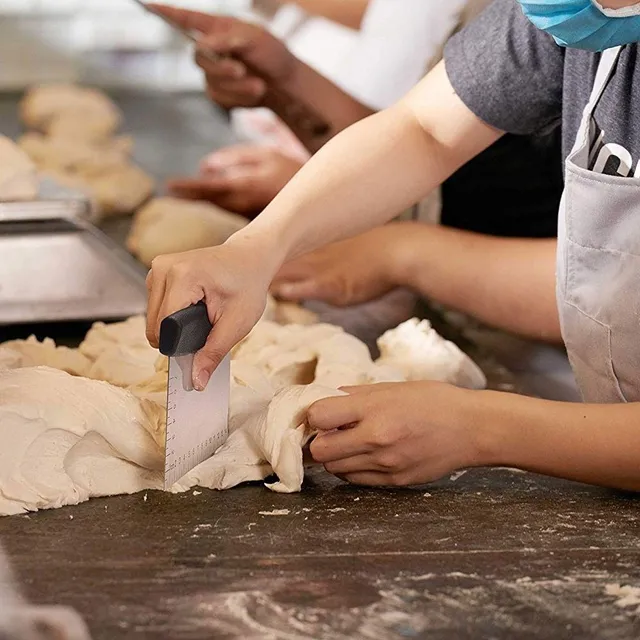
<point x="517" y="183"/>
<point x="522" y="67"/>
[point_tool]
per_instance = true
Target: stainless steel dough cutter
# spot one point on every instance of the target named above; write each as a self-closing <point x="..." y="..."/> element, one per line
<point x="55" y="265"/>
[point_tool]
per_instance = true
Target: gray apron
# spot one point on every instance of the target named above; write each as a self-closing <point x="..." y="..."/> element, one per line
<point x="598" y="277"/>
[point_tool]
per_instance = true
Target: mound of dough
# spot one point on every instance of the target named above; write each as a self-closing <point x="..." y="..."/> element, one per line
<point x="420" y="353"/>
<point x="171" y="225"/>
<point x="101" y="440"/>
<point x="107" y="438"/>
<point x="101" y="170"/>
<point x="43" y="105"/>
<point x="18" y="174"/>
<point x="32" y="353"/>
<point x="75" y="157"/>
<point x="119" y="353"/>
<point x="72" y="141"/>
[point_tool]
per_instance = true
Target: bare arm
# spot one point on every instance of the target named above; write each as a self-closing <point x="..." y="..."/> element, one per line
<point x="376" y="168"/>
<point x="504" y="282"/>
<point x="417" y="432"/>
<point x="306" y="86"/>
<point x="508" y="283"/>
<point x="597" y="444"/>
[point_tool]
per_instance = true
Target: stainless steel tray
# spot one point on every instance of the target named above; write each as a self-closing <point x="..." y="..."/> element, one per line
<point x="54" y="202"/>
<point x="64" y="270"/>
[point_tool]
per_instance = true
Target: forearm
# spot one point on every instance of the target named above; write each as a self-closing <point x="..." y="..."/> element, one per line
<point x="334" y="107"/>
<point x="346" y="12"/>
<point x="596" y="444"/>
<point x="373" y="170"/>
<point x="508" y="283"/>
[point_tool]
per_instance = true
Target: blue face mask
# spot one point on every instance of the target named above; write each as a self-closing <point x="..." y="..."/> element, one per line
<point x="584" y="24"/>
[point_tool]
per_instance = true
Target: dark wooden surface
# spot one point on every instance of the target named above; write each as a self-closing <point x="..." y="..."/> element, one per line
<point x="492" y="554"/>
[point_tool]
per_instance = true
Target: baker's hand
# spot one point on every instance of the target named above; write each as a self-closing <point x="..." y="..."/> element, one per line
<point x="348" y="272"/>
<point x="253" y="59"/>
<point x="398" y="434"/>
<point x="232" y="279"/>
<point x="243" y="178"/>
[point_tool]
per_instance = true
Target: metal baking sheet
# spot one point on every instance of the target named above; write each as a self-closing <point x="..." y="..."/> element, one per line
<point x="64" y="270"/>
<point x="54" y="201"/>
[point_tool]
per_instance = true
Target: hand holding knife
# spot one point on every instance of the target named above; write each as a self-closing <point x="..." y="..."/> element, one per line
<point x="279" y="99"/>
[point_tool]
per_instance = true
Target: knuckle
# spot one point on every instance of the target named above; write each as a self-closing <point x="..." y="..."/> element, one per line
<point x="158" y="265"/>
<point x="381" y="436"/>
<point x="179" y="271"/>
<point x="315" y="414"/>
<point x="387" y="459"/>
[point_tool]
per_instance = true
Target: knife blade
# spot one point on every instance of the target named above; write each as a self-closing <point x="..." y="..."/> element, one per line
<point x="197" y="421"/>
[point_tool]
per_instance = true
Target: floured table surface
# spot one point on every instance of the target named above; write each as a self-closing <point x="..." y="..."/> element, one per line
<point x="490" y="554"/>
<point x="486" y="554"/>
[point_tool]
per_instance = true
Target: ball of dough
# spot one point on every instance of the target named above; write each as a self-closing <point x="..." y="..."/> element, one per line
<point x="171" y="225"/>
<point x="42" y="105"/>
<point x="18" y="174"/>
<point x="90" y="128"/>
<point x="101" y="171"/>
<point x="416" y="349"/>
<point x="120" y="190"/>
<point x="74" y="157"/>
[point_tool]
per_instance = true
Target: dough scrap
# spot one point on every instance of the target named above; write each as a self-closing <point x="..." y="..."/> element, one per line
<point x="18" y="174"/>
<point x="171" y="225"/>
<point x="420" y="353"/>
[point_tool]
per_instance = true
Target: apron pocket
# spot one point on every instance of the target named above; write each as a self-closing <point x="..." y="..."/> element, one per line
<point x="591" y="356"/>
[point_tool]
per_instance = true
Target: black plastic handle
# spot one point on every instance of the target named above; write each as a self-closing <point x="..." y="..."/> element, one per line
<point x="185" y="331"/>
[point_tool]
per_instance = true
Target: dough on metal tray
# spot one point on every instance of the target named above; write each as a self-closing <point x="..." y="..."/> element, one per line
<point x="101" y="170"/>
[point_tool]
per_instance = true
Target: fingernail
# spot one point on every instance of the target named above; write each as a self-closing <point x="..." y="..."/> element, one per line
<point x="200" y="381"/>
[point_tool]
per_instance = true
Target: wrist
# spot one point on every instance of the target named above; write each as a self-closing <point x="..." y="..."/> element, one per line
<point x="510" y="429"/>
<point x="407" y="248"/>
<point x="265" y="245"/>
<point x="495" y="430"/>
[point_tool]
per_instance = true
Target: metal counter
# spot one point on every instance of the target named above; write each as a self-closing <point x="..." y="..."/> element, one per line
<point x="482" y="554"/>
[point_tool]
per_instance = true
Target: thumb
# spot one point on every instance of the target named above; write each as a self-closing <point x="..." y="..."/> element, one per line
<point x="223" y="337"/>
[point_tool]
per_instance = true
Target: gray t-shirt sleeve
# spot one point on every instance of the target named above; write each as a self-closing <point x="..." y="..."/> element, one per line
<point x="506" y="71"/>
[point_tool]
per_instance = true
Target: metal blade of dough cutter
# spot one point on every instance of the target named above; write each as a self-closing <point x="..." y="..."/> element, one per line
<point x="197" y="421"/>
